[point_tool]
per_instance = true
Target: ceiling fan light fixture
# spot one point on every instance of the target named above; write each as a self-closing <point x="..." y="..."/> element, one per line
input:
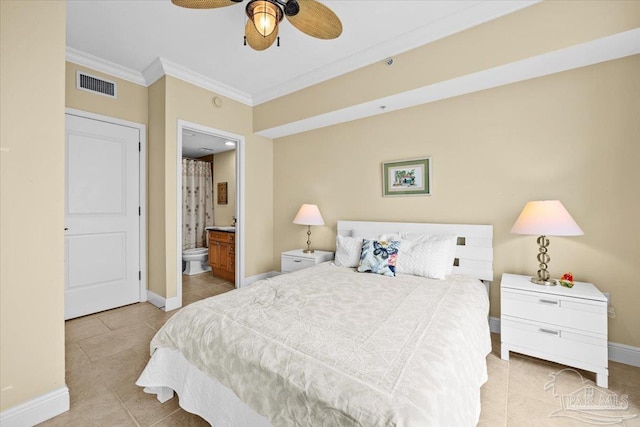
<point x="265" y="15"/>
<point x="261" y="29"/>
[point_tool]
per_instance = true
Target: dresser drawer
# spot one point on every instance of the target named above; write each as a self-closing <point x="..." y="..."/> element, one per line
<point x="575" y="313"/>
<point x="290" y="264"/>
<point x="220" y="236"/>
<point x="566" y="345"/>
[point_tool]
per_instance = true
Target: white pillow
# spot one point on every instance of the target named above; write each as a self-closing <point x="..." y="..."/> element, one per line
<point x="427" y="255"/>
<point x="371" y="236"/>
<point x="452" y="249"/>
<point x="348" y="251"/>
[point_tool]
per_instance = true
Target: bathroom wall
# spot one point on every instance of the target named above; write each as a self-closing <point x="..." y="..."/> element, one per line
<point x="224" y="170"/>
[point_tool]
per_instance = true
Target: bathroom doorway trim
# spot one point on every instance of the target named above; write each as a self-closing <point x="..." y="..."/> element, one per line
<point x="240" y="191"/>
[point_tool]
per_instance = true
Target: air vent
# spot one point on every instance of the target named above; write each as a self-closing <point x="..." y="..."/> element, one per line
<point x="93" y="84"/>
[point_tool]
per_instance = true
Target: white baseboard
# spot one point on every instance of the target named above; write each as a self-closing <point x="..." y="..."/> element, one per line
<point x="155" y="299"/>
<point x="620" y="353"/>
<point x="37" y="410"/>
<point x="623" y="353"/>
<point x="494" y="324"/>
<point x="172" y="304"/>
<point x="162" y="302"/>
<point x="249" y="280"/>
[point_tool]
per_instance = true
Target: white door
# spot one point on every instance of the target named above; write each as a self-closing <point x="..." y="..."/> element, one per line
<point x="101" y="216"/>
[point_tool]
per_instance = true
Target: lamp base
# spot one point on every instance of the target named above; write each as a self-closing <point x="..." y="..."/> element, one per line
<point x="308" y="251"/>
<point x="539" y="281"/>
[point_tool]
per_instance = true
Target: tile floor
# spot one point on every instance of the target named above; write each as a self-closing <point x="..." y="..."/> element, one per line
<point x="106" y="352"/>
<point x="515" y="394"/>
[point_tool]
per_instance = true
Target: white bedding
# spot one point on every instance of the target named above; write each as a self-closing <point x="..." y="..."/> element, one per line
<point x="328" y="346"/>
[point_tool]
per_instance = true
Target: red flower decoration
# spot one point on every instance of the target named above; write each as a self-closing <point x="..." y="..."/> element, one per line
<point x="567" y="280"/>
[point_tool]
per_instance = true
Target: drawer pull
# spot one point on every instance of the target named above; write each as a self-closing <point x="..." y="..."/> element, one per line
<point x="549" y="301"/>
<point x="550" y="332"/>
<point x="297" y="260"/>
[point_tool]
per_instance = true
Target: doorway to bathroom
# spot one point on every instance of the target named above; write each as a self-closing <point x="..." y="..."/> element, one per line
<point x="198" y="148"/>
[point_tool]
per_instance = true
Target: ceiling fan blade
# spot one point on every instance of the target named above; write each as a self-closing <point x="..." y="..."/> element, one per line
<point x="316" y="20"/>
<point x="204" y="4"/>
<point x="256" y="40"/>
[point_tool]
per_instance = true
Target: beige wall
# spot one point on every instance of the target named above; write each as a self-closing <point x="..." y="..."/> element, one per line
<point x="192" y="103"/>
<point x="224" y="170"/>
<point x="131" y="103"/>
<point x="570" y="136"/>
<point x="32" y="199"/>
<point x="538" y="29"/>
<point x="160" y="106"/>
<point x="156" y="221"/>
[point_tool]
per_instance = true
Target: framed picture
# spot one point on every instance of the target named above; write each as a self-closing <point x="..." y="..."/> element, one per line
<point x="407" y="177"/>
<point x="222" y="193"/>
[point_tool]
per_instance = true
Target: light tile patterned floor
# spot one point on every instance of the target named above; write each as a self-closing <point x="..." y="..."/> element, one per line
<point x="515" y="394"/>
<point x="106" y="352"/>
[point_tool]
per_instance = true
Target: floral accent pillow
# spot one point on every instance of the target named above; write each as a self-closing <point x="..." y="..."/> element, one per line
<point x="379" y="256"/>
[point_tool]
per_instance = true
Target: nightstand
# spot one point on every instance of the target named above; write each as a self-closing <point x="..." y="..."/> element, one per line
<point x="297" y="260"/>
<point x="563" y="325"/>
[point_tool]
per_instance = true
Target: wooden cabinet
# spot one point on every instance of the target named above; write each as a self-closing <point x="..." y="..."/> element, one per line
<point x="222" y="254"/>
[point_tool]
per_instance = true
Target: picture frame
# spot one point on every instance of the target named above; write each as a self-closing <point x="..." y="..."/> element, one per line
<point x="222" y="193"/>
<point x="410" y="177"/>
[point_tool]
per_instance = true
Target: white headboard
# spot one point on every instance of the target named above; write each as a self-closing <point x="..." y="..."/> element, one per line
<point x="474" y="253"/>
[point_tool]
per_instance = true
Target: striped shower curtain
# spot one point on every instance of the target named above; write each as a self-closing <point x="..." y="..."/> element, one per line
<point x="197" y="202"/>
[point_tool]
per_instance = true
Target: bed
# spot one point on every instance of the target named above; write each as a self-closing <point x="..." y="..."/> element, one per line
<point x="328" y="346"/>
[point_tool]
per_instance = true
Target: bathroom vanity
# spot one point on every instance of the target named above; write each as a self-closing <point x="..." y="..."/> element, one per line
<point x="222" y="252"/>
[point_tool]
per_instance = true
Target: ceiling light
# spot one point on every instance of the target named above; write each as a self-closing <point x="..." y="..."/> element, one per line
<point x="229" y="143"/>
<point x="265" y="16"/>
<point x="206" y="149"/>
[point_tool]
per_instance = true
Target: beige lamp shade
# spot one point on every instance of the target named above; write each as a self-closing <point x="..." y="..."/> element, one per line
<point x="546" y="218"/>
<point x="308" y="215"/>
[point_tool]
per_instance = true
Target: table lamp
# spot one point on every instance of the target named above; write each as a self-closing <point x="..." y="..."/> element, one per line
<point x="545" y="218"/>
<point x="308" y="215"/>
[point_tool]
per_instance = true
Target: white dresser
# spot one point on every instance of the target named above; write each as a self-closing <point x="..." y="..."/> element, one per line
<point x="297" y="260"/>
<point x="563" y="325"/>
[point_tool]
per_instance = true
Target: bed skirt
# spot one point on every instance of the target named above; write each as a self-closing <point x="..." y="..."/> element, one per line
<point x="169" y="371"/>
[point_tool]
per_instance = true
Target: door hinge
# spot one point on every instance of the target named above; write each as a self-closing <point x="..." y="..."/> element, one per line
<point x="139" y="275"/>
<point x="139" y="211"/>
<point x="139" y="146"/>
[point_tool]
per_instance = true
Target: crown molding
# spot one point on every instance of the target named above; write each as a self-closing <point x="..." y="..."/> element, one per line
<point x="154" y="72"/>
<point x="160" y="67"/>
<point x="96" y="63"/>
<point x="472" y="16"/>
<point x="605" y="49"/>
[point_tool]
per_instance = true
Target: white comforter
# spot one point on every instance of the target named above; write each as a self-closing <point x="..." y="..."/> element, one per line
<point x="327" y="346"/>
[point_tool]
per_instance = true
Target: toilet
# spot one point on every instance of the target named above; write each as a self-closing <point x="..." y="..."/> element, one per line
<point x="196" y="261"/>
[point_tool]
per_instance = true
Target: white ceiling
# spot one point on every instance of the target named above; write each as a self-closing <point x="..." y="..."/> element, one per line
<point x="197" y="144"/>
<point x="133" y="34"/>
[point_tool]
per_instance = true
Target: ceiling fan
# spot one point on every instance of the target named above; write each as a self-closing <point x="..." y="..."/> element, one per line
<point x="309" y="16"/>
